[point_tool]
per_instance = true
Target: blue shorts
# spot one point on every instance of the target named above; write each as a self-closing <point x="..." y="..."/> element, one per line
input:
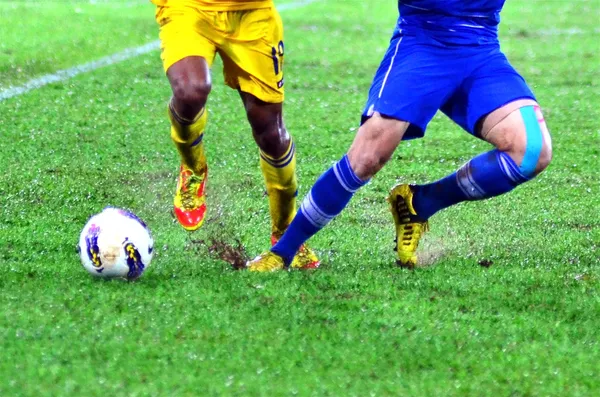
<point x="419" y="76"/>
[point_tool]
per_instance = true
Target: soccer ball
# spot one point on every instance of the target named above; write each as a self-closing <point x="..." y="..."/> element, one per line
<point x="115" y="244"/>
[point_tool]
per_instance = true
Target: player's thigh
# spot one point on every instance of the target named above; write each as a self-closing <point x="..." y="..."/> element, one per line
<point x="253" y="62"/>
<point x="412" y="82"/>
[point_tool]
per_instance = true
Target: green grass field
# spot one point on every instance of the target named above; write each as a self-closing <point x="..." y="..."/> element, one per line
<point x="527" y="325"/>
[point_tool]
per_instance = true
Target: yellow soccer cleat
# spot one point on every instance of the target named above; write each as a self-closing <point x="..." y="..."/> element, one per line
<point x="409" y="228"/>
<point x="305" y="257"/>
<point x="190" y="201"/>
<point x="266" y="262"/>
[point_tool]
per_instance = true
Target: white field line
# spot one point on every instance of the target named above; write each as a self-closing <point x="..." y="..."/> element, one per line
<point x="66" y="74"/>
<point x="118" y="57"/>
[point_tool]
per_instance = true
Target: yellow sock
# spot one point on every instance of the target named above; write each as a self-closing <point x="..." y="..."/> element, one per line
<point x="282" y="187"/>
<point x="187" y="136"/>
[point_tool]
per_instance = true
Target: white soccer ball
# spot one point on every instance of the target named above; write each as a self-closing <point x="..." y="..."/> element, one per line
<point x="115" y="244"/>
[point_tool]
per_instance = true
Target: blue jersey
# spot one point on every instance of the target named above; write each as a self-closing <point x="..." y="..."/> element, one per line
<point x="451" y="21"/>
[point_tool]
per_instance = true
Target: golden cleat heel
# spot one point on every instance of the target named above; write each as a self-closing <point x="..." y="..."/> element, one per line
<point x="409" y="229"/>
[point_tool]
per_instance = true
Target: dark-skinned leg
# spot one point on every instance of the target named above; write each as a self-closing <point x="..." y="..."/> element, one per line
<point x="268" y="129"/>
<point x="190" y="82"/>
<point x="277" y="159"/>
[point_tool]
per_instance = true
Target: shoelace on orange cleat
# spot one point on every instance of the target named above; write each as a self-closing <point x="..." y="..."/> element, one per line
<point x="188" y="194"/>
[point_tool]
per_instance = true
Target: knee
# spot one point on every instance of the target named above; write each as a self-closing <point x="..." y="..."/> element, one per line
<point x="369" y="158"/>
<point x="366" y="164"/>
<point x="531" y="160"/>
<point x="191" y="95"/>
<point x="527" y="141"/>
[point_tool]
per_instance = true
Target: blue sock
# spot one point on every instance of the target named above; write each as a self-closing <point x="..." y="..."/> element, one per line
<point x="487" y="175"/>
<point x="326" y="199"/>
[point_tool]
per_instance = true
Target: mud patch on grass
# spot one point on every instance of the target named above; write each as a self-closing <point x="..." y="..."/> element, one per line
<point x="234" y="254"/>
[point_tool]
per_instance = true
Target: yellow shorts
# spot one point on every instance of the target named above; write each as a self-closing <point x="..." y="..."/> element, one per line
<point x="250" y="43"/>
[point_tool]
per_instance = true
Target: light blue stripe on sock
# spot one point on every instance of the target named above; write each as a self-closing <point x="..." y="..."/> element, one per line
<point x="534" y="143"/>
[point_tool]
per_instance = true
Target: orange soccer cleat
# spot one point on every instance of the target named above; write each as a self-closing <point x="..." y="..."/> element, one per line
<point x="190" y="201"/>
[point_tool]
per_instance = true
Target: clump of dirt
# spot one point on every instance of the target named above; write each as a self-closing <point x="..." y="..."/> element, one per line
<point x="486" y="263"/>
<point x="235" y="255"/>
<point x="403" y="266"/>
